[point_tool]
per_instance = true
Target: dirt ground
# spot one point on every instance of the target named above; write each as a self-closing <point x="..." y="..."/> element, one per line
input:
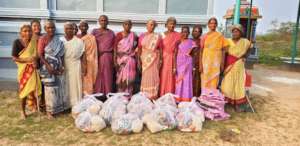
<point x="275" y="96"/>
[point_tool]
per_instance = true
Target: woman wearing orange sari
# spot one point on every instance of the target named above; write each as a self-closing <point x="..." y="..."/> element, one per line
<point x="89" y="62"/>
<point x="167" y="72"/>
<point x="213" y="54"/>
<point x="24" y="53"/>
<point x="233" y="83"/>
<point x="149" y="52"/>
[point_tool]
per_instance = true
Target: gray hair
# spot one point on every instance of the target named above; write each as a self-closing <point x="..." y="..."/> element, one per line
<point x="83" y="21"/>
<point x="152" y="20"/>
<point x="68" y="23"/>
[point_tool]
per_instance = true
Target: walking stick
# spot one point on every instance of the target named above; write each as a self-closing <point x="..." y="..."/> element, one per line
<point x="248" y="99"/>
<point x="37" y="95"/>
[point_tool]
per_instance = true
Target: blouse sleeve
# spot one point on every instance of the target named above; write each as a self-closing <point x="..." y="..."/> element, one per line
<point x="16" y="48"/>
<point x="225" y="42"/>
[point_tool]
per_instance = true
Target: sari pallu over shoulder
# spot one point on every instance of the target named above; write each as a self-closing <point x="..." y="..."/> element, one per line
<point x="127" y="65"/>
<point x="54" y="52"/>
<point x="28" y="76"/>
<point x="233" y="84"/>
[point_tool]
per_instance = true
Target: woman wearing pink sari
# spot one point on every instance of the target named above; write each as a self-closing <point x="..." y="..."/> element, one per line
<point x="167" y="78"/>
<point x="184" y="66"/>
<point x="105" y="41"/>
<point x="124" y="48"/>
<point x="149" y="59"/>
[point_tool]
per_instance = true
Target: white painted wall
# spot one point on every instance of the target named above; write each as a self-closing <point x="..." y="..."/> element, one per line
<point x="12" y="15"/>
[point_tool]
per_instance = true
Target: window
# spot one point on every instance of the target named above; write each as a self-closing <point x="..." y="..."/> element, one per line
<point x="132" y="6"/>
<point x="6" y="40"/>
<point x="20" y="4"/>
<point x="77" y="5"/>
<point x="187" y="7"/>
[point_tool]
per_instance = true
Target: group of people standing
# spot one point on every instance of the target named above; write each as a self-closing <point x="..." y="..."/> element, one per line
<point x="64" y="69"/>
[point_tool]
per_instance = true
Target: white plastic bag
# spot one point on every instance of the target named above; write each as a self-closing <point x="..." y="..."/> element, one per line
<point x="161" y="118"/>
<point x="127" y="124"/>
<point x="83" y="121"/>
<point x="190" y="116"/>
<point x="97" y="123"/>
<point x="114" y="107"/>
<point x="87" y="122"/>
<point x="168" y="98"/>
<point x="83" y="105"/>
<point x="140" y="104"/>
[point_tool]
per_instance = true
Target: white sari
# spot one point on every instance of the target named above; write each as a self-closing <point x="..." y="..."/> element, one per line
<point x="74" y="49"/>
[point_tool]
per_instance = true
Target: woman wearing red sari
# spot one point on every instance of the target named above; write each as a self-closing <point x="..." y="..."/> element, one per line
<point x="167" y="76"/>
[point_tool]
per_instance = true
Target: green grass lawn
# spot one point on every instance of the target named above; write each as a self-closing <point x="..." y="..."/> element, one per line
<point x="272" y="47"/>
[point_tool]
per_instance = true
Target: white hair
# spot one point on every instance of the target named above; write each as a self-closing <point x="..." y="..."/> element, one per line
<point x="68" y="23"/>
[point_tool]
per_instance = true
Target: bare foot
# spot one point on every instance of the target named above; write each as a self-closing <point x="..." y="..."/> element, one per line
<point x="23" y="115"/>
<point x="50" y="116"/>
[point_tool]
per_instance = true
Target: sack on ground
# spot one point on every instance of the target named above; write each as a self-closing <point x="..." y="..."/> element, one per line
<point x="140" y="104"/>
<point x="161" y="118"/>
<point x="87" y="122"/>
<point x="168" y="98"/>
<point x="114" y="107"/>
<point x="87" y="102"/>
<point x="126" y="124"/>
<point x="190" y="116"/>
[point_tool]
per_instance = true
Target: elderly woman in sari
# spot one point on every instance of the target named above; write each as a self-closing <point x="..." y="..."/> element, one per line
<point x="149" y="52"/>
<point x="105" y="42"/>
<point x="24" y="54"/>
<point x="211" y="64"/>
<point x="125" y="63"/>
<point x="233" y="83"/>
<point x="183" y="64"/>
<point x="74" y="48"/>
<point x="90" y="61"/>
<point x="51" y="52"/>
<point x="167" y="77"/>
<point x="197" y="52"/>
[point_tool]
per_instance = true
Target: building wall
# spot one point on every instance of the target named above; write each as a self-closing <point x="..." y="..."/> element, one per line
<point x="13" y="13"/>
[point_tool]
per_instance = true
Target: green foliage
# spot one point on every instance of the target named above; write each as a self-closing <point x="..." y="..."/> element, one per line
<point x="276" y="43"/>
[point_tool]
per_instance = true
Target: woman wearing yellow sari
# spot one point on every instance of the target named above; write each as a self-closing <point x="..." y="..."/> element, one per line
<point x="211" y="64"/>
<point x="233" y="83"/>
<point x="24" y="53"/>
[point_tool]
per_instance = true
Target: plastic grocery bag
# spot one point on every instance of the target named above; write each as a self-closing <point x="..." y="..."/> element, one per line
<point x="87" y="102"/>
<point x="114" y="107"/>
<point x="126" y="124"/>
<point x="86" y="122"/>
<point x="140" y="104"/>
<point x="190" y="116"/>
<point x="168" y="98"/>
<point x="161" y="118"/>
